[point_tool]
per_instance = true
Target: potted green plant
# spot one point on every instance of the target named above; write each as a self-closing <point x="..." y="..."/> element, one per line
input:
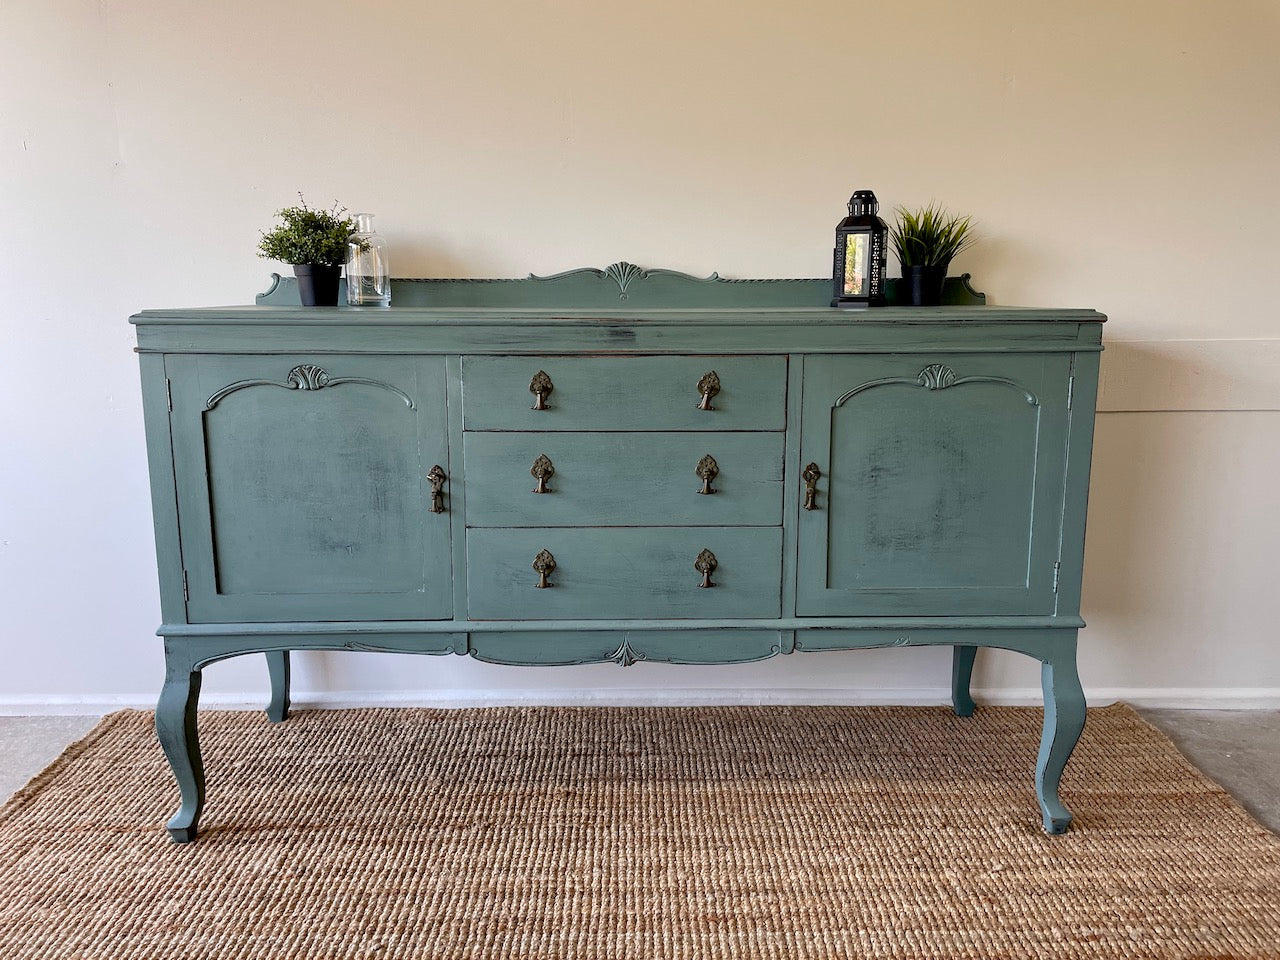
<point x="315" y="243"/>
<point x="925" y="241"/>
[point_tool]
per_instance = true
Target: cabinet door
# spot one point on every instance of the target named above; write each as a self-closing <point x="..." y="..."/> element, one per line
<point x="942" y="484"/>
<point x="303" y="490"/>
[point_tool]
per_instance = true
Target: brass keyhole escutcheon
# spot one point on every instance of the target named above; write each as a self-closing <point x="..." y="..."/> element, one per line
<point x="544" y="564"/>
<point x="707" y="470"/>
<point x="811" y="476"/>
<point x="542" y="471"/>
<point x="706" y="564"/>
<point x="541" y="387"/>
<point x="708" y="386"/>
<point x="436" y="477"/>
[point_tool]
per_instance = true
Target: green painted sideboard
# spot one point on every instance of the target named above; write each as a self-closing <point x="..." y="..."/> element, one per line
<point x="617" y="465"/>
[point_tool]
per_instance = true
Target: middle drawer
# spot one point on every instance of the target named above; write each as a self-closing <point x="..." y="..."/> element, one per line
<point x="623" y="479"/>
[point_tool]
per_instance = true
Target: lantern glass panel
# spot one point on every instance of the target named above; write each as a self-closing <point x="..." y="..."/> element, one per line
<point x="856" y="265"/>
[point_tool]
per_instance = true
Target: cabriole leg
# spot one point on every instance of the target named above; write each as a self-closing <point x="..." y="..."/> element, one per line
<point x="961" y="673"/>
<point x="278" y="666"/>
<point x="1064" y="711"/>
<point x="176" y="728"/>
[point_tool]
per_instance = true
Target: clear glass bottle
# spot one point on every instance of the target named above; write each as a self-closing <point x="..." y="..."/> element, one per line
<point x="368" y="270"/>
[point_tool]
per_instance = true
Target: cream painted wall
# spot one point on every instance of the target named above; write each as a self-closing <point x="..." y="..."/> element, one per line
<point x="1118" y="156"/>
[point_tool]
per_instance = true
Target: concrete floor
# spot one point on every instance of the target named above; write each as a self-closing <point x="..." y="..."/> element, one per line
<point x="29" y="744"/>
<point x="1237" y="748"/>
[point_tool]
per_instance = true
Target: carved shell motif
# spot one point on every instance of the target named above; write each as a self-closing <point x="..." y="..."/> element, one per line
<point x="622" y="273"/>
<point x="936" y="376"/>
<point x="626" y="655"/>
<point x="307" y="376"/>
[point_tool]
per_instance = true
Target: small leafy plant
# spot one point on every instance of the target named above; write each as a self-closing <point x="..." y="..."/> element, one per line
<point x="929" y="236"/>
<point x="306" y="236"/>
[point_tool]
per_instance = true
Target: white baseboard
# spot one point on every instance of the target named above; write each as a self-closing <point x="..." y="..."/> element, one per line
<point x="1199" y="698"/>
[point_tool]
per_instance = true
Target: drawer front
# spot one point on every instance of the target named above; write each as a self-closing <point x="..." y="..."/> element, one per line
<point x="623" y="479"/>
<point x="624" y="393"/>
<point x="624" y="573"/>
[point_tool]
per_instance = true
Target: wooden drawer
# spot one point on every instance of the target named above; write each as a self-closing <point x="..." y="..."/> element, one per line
<point x="624" y="393"/>
<point x="624" y="573"/>
<point x="623" y="479"/>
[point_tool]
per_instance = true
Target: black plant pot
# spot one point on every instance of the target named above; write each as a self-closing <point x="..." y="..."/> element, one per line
<point x="317" y="284"/>
<point x="924" y="285"/>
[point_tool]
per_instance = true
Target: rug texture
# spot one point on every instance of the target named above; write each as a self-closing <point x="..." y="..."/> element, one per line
<point x="603" y="834"/>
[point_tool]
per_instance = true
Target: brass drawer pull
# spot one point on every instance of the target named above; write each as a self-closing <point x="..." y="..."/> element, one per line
<point x="436" y="477"/>
<point x="544" y="564"/>
<point x="543" y="470"/>
<point x="706" y="565"/>
<point x="541" y="387"/>
<point x="811" y="475"/>
<point x="707" y="470"/>
<point x="708" y="386"/>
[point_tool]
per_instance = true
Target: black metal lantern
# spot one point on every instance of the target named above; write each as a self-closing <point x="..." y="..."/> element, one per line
<point x="861" y="243"/>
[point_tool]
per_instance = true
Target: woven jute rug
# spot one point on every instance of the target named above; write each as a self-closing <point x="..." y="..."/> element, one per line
<point x="602" y="833"/>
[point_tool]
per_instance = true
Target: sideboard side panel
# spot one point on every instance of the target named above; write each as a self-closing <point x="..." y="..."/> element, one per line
<point x="1084" y="399"/>
<point x="164" y="495"/>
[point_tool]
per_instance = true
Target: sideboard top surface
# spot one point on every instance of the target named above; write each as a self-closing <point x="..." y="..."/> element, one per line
<point x="619" y="309"/>
<point x="650" y="316"/>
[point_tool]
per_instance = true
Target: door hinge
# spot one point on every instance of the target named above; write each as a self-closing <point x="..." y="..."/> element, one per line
<point x="186" y="592"/>
<point x="168" y="392"/>
<point x="1057" y="573"/>
<point x="1071" y="390"/>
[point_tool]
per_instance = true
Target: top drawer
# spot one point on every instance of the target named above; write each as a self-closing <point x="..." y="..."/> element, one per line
<point x="625" y="393"/>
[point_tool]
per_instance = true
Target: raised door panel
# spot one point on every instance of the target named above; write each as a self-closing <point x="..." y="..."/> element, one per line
<point x="623" y="479"/>
<point x="303" y="488"/>
<point x="942" y="484"/>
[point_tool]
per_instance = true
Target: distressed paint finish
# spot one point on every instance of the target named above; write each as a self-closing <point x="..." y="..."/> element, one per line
<point x="941" y="487"/>
<point x="302" y="486"/>
<point x="603" y="574"/>
<point x="625" y="647"/>
<point x="962" y="658"/>
<point x="177" y="732"/>
<point x="278" y="668"/>
<point x="1064" y="713"/>
<point x="624" y="479"/>
<point x="291" y="453"/>
<point x="624" y="393"/>
<point x="619" y="284"/>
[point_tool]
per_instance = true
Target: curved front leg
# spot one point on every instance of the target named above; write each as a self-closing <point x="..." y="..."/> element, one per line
<point x="961" y="674"/>
<point x="278" y="667"/>
<point x="176" y="728"/>
<point x="1064" y="711"/>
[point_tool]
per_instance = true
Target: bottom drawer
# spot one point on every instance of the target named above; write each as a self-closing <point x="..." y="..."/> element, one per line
<point x="624" y="573"/>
